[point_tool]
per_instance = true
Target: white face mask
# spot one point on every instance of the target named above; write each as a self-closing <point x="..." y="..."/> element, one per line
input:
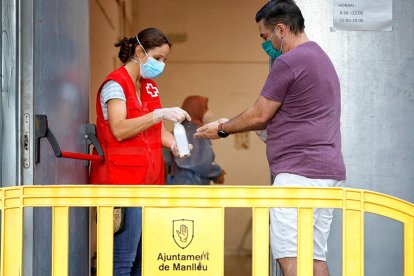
<point x="208" y="117"/>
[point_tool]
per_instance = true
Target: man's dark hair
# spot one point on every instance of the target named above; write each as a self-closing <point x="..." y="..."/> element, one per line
<point x="282" y="11"/>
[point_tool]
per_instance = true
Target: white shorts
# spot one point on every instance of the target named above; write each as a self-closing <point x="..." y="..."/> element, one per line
<point x="283" y="221"/>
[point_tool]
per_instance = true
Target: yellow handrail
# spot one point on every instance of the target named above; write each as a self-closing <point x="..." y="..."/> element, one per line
<point x="353" y="203"/>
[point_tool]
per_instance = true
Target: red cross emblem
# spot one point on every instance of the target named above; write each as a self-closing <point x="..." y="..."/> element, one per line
<point x="152" y="90"/>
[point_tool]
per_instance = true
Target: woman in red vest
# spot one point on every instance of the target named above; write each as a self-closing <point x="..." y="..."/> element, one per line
<point x="131" y="133"/>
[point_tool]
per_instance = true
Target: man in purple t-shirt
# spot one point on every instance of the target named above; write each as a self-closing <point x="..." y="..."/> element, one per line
<point x="299" y="107"/>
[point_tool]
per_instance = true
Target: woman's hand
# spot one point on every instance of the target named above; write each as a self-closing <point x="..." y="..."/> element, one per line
<point x="174" y="114"/>
<point x="174" y="149"/>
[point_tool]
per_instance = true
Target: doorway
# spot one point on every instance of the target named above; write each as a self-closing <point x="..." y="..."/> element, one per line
<point x="216" y="53"/>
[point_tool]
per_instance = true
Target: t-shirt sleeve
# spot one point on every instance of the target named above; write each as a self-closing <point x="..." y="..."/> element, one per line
<point x="277" y="84"/>
<point x="112" y="90"/>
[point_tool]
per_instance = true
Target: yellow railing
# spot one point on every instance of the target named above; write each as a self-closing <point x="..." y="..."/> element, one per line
<point x="353" y="203"/>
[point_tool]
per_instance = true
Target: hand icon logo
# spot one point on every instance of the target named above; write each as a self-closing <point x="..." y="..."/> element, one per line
<point x="183" y="233"/>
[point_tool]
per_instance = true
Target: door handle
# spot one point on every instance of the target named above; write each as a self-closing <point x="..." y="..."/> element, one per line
<point x="42" y="130"/>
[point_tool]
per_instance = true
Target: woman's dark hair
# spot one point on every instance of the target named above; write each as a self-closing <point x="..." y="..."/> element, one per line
<point x="150" y="38"/>
<point x="282" y="11"/>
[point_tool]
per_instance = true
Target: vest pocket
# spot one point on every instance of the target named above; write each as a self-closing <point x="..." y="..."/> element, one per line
<point x="128" y="169"/>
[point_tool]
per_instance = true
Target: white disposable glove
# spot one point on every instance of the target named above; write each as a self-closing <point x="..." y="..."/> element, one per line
<point x="262" y="134"/>
<point x="174" y="114"/>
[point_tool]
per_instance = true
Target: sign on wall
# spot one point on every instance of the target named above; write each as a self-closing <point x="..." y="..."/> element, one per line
<point x="362" y="15"/>
<point x="183" y="241"/>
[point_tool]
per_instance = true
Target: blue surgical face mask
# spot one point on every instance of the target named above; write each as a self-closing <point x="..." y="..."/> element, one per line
<point x="152" y="68"/>
<point x="268" y="48"/>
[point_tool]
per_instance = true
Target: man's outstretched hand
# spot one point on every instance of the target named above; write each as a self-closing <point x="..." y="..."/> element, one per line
<point x="209" y="130"/>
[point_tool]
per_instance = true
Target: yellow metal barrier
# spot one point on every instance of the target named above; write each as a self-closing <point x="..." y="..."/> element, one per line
<point x="353" y="203"/>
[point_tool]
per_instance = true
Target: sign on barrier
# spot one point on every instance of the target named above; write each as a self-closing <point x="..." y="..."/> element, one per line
<point x="183" y="241"/>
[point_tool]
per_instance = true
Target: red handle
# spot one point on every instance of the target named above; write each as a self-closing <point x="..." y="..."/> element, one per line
<point x="81" y="156"/>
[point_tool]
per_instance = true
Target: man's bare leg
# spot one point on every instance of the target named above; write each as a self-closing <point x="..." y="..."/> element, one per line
<point x="320" y="268"/>
<point x="289" y="267"/>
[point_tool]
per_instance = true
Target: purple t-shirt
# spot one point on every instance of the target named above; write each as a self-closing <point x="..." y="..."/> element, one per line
<point x="304" y="136"/>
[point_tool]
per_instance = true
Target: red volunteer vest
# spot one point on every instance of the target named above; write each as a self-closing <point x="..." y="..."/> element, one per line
<point x="137" y="160"/>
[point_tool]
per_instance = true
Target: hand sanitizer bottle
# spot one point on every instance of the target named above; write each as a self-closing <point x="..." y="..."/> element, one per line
<point x="181" y="140"/>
